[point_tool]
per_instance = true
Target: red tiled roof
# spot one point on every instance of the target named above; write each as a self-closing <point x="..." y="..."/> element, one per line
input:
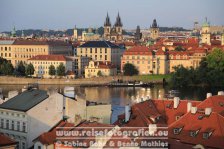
<point x="104" y="65"/>
<point x="50" y="58"/>
<point x="138" y="50"/>
<point x="6" y="141"/>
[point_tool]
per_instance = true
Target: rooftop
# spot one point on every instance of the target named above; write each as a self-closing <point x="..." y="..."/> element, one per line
<point x="25" y="101"/>
<point x="103" y="44"/>
<point x="6" y="141"/>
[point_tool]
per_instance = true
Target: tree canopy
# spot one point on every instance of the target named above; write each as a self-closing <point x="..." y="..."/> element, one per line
<point x="30" y="69"/>
<point x="130" y="70"/>
<point x="61" y="70"/>
<point x="51" y="70"/>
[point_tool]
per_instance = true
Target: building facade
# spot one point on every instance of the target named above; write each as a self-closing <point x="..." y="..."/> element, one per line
<point x="22" y="50"/>
<point x="114" y="33"/>
<point x="29" y="114"/>
<point x="101" y="51"/>
<point x="145" y="60"/>
<point x="99" y="68"/>
<point x="42" y="63"/>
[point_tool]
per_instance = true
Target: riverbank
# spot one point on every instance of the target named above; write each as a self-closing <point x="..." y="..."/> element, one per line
<point x="157" y="79"/>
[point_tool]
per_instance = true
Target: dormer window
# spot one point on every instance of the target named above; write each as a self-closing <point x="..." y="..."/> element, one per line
<point x="193" y="133"/>
<point x="177" y="131"/>
<point x="206" y="135"/>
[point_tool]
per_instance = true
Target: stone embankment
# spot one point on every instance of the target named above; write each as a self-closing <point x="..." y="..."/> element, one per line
<point x="98" y="81"/>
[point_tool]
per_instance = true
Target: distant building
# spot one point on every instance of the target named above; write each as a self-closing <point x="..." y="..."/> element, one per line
<point x="154" y="30"/>
<point x="146" y="60"/>
<point x="29" y="114"/>
<point x="75" y="33"/>
<point x="222" y="39"/>
<point x="90" y="35"/>
<point x="114" y="33"/>
<point x="101" y="51"/>
<point x="100" y="68"/>
<point x="42" y="63"/>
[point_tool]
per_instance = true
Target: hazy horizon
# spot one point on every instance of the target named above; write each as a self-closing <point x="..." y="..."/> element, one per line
<point x="60" y="15"/>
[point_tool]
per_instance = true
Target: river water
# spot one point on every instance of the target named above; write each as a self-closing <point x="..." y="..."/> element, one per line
<point x="119" y="97"/>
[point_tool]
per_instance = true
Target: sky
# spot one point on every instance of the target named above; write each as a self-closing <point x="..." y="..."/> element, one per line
<point x="64" y="14"/>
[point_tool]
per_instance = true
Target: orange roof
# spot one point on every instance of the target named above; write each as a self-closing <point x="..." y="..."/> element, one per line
<point x="138" y="50"/>
<point x="50" y="58"/>
<point x="6" y="141"/>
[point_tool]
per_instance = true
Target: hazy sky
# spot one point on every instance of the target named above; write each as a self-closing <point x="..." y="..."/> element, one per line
<point x="63" y="14"/>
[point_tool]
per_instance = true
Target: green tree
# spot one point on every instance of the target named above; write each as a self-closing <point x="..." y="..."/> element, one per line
<point x="179" y="48"/>
<point x="21" y="69"/>
<point x="6" y="68"/>
<point x="30" y="69"/>
<point x="215" y="59"/>
<point x="51" y="70"/>
<point x="61" y="70"/>
<point x="130" y="70"/>
<point x="99" y="73"/>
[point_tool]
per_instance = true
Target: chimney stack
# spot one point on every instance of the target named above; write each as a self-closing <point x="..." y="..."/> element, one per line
<point x="209" y="95"/>
<point x="193" y="110"/>
<point x="176" y="101"/>
<point x="189" y="105"/>
<point x="221" y="93"/>
<point x="208" y="111"/>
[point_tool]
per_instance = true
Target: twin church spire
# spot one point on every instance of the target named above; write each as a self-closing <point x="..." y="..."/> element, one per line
<point x="117" y="22"/>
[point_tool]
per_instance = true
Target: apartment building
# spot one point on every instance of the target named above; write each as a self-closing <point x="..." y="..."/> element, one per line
<point x="22" y="50"/>
<point x="101" y="51"/>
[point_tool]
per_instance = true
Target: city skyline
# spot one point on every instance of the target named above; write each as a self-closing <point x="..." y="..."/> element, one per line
<point x="58" y="15"/>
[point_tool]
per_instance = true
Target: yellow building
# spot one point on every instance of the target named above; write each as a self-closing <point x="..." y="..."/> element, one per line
<point x="42" y="63"/>
<point x="22" y="50"/>
<point x="101" y="51"/>
<point x="145" y="60"/>
<point x="98" y="68"/>
<point x="187" y="59"/>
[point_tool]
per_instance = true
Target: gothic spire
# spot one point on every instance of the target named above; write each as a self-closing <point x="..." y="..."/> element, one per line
<point x="107" y="22"/>
<point x="154" y="24"/>
<point x="118" y="21"/>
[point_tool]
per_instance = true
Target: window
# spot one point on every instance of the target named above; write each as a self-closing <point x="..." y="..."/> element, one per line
<point x="5" y="48"/>
<point x="100" y="50"/>
<point x="39" y="147"/>
<point x="95" y="57"/>
<point x="105" y="57"/>
<point x="206" y="135"/>
<point x="12" y="125"/>
<point x="18" y="126"/>
<point x="24" y="127"/>
<point x="105" y="50"/>
<point x="90" y="50"/>
<point x="194" y="133"/>
<point x="95" y="50"/>
<point x="23" y="145"/>
<point x="7" y="124"/>
<point x="177" y="131"/>
<point x="2" y="123"/>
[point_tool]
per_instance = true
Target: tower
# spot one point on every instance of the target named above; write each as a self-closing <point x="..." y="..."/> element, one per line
<point x="118" y="25"/>
<point x="75" y="33"/>
<point x="205" y="33"/>
<point x="154" y="30"/>
<point x="138" y="34"/>
<point x="13" y="33"/>
<point x="107" y="27"/>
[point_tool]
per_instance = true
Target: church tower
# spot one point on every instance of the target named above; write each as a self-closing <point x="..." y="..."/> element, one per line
<point x="154" y="30"/>
<point x="205" y="33"/>
<point x="118" y="25"/>
<point x="107" y="28"/>
<point x="75" y="33"/>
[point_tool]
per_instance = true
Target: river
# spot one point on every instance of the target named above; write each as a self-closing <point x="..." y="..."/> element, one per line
<point x="119" y="97"/>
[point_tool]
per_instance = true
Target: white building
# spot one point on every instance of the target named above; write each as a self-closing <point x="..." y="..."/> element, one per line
<point x="29" y="114"/>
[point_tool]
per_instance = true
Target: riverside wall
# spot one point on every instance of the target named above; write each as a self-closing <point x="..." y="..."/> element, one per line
<point x="81" y="81"/>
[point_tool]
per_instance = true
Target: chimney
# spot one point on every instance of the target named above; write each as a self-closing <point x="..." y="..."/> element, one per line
<point x="220" y="93"/>
<point x="193" y="110"/>
<point x="127" y="112"/>
<point x="176" y="101"/>
<point x="152" y="129"/>
<point x="208" y="111"/>
<point x="189" y="105"/>
<point x="209" y="95"/>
